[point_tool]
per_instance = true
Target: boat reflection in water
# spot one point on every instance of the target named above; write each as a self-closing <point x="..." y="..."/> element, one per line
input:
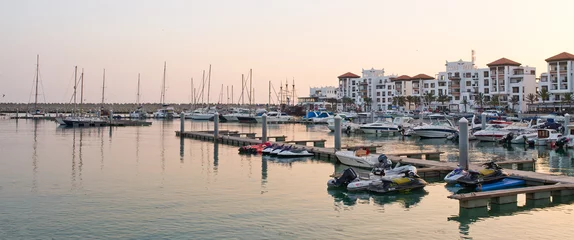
<point x="349" y="198"/>
<point x="288" y="161"/>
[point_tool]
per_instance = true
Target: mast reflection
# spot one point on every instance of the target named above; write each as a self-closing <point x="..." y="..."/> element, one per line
<point x="35" y="158"/>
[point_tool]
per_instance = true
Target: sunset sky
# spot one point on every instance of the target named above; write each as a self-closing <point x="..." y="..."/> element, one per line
<point x="312" y="41"/>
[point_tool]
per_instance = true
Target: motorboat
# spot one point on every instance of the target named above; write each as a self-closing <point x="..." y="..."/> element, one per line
<point x="346" y="126"/>
<point x="492" y="133"/>
<point x="545" y="137"/>
<point x="357" y="158"/>
<point x="201" y="114"/>
<point x="437" y="128"/>
<point x="552" y="117"/>
<point x="271" y="148"/>
<point x="235" y="113"/>
<point x="166" y="112"/>
<point x="410" y="181"/>
<point x="491" y="173"/>
<point x="523" y="138"/>
<point x="403" y="122"/>
<point x="299" y="152"/>
<point x="281" y="149"/>
<point x="139" y="113"/>
<point x="380" y="127"/>
<point x="274" y="117"/>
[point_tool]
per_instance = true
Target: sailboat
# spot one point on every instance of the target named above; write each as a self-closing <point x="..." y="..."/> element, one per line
<point x="166" y="111"/>
<point x="37" y="112"/>
<point x="208" y="112"/>
<point x="77" y="119"/>
<point x="139" y="112"/>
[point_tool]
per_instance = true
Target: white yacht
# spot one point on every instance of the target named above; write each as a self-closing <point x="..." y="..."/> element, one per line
<point x="347" y="126"/>
<point x="437" y="128"/>
<point x="139" y="113"/>
<point x="274" y="117"/>
<point x="165" y="112"/>
<point x="380" y="127"/>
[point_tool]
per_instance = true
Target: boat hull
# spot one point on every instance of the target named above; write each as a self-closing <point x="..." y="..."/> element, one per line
<point x="348" y="158"/>
<point x="433" y="133"/>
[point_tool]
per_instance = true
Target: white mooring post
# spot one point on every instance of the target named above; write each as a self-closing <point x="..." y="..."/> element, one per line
<point x="566" y="122"/>
<point x="215" y="126"/>
<point x="463" y="143"/>
<point x="483" y="121"/>
<point x="264" y="128"/>
<point x="181" y="124"/>
<point x="338" y="132"/>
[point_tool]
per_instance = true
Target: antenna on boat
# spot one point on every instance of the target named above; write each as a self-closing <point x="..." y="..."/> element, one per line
<point x="37" y="79"/>
<point x="103" y="86"/>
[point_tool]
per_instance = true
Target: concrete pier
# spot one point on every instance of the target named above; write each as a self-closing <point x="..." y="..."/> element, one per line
<point x="338" y="132"/>
<point x="264" y="127"/>
<point x="463" y="143"/>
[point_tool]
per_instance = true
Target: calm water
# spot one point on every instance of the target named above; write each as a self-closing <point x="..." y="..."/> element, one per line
<point x="145" y="183"/>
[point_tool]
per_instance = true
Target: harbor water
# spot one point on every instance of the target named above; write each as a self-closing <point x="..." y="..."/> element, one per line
<point x="146" y="183"/>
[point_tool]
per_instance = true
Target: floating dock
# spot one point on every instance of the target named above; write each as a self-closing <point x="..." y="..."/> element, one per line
<point x="541" y="186"/>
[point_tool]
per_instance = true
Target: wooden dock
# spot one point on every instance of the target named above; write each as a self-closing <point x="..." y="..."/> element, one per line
<point x="541" y="185"/>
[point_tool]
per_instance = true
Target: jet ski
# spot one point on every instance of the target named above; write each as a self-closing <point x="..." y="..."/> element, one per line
<point x="382" y="172"/>
<point x="454" y="175"/>
<point x="563" y="141"/>
<point x="491" y="173"/>
<point x="254" y="149"/>
<point x="278" y="150"/>
<point x="269" y="149"/>
<point x="409" y="181"/>
<point x="295" y="153"/>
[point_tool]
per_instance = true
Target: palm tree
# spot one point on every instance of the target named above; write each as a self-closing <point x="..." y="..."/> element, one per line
<point x="368" y="101"/>
<point x="544" y="95"/>
<point x="494" y="101"/>
<point x="429" y="98"/>
<point x="401" y="101"/>
<point x="515" y="100"/>
<point x="567" y="98"/>
<point x="395" y="101"/>
<point x="346" y="101"/>
<point x="443" y="98"/>
<point x="531" y="98"/>
<point x="409" y="100"/>
<point x="464" y="102"/>
<point x="479" y="98"/>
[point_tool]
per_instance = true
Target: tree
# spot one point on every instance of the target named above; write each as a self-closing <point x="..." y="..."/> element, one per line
<point x="494" y="101"/>
<point x="409" y="100"/>
<point x="347" y="101"/>
<point x="395" y="101"/>
<point x="401" y="101"/>
<point x="479" y="98"/>
<point x="544" y="95"/>
<point x="464" y="102"/>
<point x="443" y="98"/>
<point x="368" y="103"/>
<point x="531" y="98"/>
<point x="567" y="98"/>
<point x="429" y="98"/>
<point x="514" y="101"/>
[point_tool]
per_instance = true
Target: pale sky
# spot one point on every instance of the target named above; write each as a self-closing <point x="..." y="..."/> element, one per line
<point x="312" y="41"/>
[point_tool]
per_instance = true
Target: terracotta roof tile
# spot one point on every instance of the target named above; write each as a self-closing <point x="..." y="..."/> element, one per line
<point x="422" y="77"/>
<point x="349" y="75"/>
<point x="560" y="57"/>
<point x="403" y="78"/>
<point x="503" y="62"/>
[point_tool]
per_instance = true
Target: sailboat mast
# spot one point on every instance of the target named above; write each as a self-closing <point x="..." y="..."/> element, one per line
<point x="82" y="90"/>
<point x="191" y="100"/>
<point x="75" y="88"/>
<point x="138" y="96"/>
<point x="202" y="86"/>
<point x="208" y="84"/>
<point x="103" y="87"/>
<point x="231" y="94"/>
<point x="242" y="89"/>
<point x="163" y="84"/>
<point x="227" y="94"/>
<point x="269" y="99"/>
<point x="293" y="96"/>
<point x="37" y="79"/>
<point x="250" y="86"/>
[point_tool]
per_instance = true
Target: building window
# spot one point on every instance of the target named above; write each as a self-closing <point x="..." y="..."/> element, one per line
<point x="432" y="85"/>
<point x="467" y="75"/>
<point x="515" y="90"/>
<point x="486" y="90"/>
<point x="441" y="84"/>
<point x="485" y="73"/>
<point x="432" y="92"/>
<point x="457" y="98"/>
<point x="378" y="94"/>
<point x="486" y="82"/>
<point x="426" y="85"/>
<point x="468" y="83"/>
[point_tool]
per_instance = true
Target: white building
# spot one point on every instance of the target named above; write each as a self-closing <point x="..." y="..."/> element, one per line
<point x="508" y="80"/>
<point x="373" y="85"/>
<point x="559" y="78"/>
<point x="323" y="92"/>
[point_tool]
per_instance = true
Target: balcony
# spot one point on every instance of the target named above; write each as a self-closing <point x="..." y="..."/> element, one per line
<point x="544" y="79"/>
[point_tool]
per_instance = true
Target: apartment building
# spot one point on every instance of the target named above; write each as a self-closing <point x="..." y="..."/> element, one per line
<point x="558" y="80"/>
<point x="508" y="80"/>
<point x="373" y="84"/>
